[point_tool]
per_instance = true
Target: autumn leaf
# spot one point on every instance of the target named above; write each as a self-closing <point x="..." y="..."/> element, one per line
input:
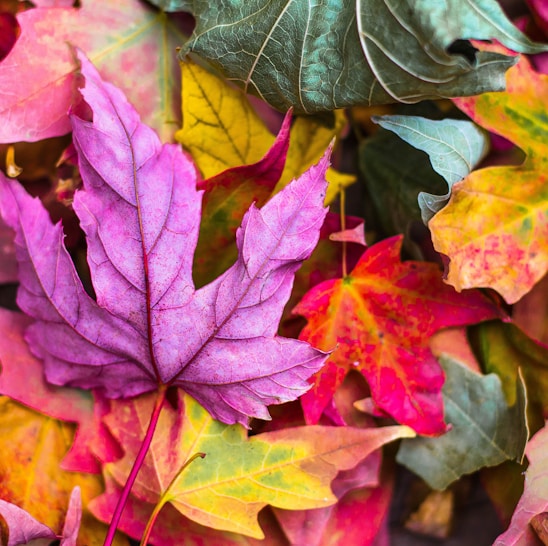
<point x="149" y="327"/>
<point x="534" y="498"/>
<point x="377" y="320"/>
<point x="22" y="379"/>
<point x="21" y="526"/>
<point x="221" y="130"/>
<point x="502" y="243"/>
<point x="128" y="41"/>
<point x="480" y="419"/>
<point x="33" y="445"/>
<point x="290" y="468"/>
<point x="8" y="263"/>
<point x="317" y="57"/>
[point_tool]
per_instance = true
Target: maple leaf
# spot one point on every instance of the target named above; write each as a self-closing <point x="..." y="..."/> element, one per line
<point x="140" y="212"/>
<point x="535" y="495"/>
<point x="290" y="468"/>
<point x="378" y="320"/>
<point x="502" y="243"/>
<point x="21" y="526"/>
<point x="40" y="73"/>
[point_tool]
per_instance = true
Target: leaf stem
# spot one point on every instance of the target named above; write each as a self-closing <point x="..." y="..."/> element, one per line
<point x="342" y="202"/>
<point x="165" y="499"/>
<point x="136" y="465"/>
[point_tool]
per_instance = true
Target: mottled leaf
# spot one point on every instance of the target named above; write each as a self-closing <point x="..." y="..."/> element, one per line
<point x="484" y="430"/>
<point x="322" y="56"/>
<point x="377" y="320"/>
<point x="132" y="45"/>
<point x="290" y="468"/>
<point x="221" y="130"/>
<point x="454" y="146"/>
<point x="502" y="243"/>
<point x="140" y="211"/>
<point x="535" y="495"/>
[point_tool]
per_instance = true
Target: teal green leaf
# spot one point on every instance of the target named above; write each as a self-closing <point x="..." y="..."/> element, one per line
<point x="485" y="431"/>
<point x="454" y="146"/>
<point x="318" y="56"/>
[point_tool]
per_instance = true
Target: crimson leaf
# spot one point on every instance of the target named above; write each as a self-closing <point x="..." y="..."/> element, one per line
<point x="140" y="211"/>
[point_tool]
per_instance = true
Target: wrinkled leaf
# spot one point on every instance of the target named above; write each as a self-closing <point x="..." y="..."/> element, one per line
<point x="140" y="212"/>
<point x="454" y="146"/>
<point x="535" y="496"/>
<point x="290" y="468"/>
<point x="323" y="56"/>
<point x="221" y="130"/>
<point x="22" y="379"/>
<point x="502" y="242"/>
<point x="132" y="45"/>
<point x="377" y="321"/>
<point x="480" y="435"/>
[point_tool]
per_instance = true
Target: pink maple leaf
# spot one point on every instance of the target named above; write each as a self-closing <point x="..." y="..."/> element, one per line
<point x="149" y="327"/>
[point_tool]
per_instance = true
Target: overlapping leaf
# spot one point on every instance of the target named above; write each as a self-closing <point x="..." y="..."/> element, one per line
<point x="378" y="320"/>
<point x="221" y="130"/>
<point x="480" y="417"/>
<point x="133" y="45"/>
<point x="322" y="56"/>
<point x="290" y="468"/>
<point x="502" y="242"/>
<point x="534" y="499"/>
<point x="22" y="379"/>
<point x="33" y="445"/>
<point x="140" y="212"/>
<point x="454" y="146"/>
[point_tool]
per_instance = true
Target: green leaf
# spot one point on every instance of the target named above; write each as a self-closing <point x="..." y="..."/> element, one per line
<point x="454" y="146"/>
<point x="485" y="431"/>
<point x="318" y="56"/>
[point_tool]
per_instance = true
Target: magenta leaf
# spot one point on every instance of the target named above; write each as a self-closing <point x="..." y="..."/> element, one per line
<point x="73" y="519"/>
<point x="140" y="211"/>
<point x="21" y="526"/>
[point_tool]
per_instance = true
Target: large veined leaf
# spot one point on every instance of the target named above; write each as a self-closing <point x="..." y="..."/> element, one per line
<point x="289" y="468"/>
<point x="317" y="56"/>
<point x="140" y="211"/>
<point x="454" y="146"/>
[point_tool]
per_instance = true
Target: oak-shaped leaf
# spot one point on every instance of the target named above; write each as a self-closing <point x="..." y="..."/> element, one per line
<point x="377" y="320"/>
<point x="140" y="211"/>
<point x="290" y="468"/>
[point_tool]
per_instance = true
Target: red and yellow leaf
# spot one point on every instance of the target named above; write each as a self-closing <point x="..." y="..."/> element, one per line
<point x="495" y="227"/>
<point x="378" y="320"/>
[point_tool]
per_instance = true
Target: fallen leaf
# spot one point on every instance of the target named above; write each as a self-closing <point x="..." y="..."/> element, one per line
<point x="8" y="263"/>
<point x="413" y="55"/>
<point x="480" y="419"/>
<point x="33" y="446"/>
<point x="22" y="379"/>
<point x="535" y="495"/>
<point x="377" y="320"/>
<point x="221" y="130"/>
<point x="454" y="147"/>
<point x="290" y="468"/>
<point x="128" y="41"/>
<point x="502" y="244"/>
<point x="434" y="517"/>
<point x="140" y="212"/>
<point x="21" y="526"/>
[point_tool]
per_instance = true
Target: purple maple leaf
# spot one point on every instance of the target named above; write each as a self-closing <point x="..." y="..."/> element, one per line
<point x="140" y="211"/>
